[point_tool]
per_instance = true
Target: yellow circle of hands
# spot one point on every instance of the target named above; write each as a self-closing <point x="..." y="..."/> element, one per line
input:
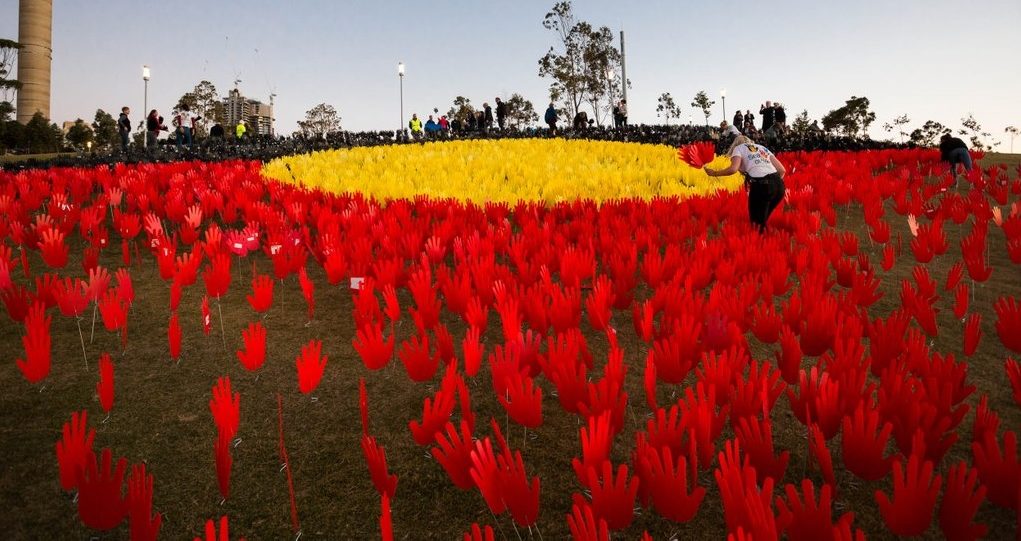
<point x="507" y="170"/>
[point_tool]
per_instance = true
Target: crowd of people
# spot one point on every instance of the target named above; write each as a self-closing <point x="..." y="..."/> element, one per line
<point x="246" y="145"/>
<point x="773" y="127"/>
<point x="186" y="128"/>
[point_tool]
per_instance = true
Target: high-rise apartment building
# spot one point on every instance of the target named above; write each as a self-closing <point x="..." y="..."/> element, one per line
<point x="257" y="115"/>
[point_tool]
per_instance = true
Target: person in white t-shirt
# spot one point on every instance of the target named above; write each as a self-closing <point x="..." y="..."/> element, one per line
<point x="763" y="176"/>
<point x="185" y="122"/>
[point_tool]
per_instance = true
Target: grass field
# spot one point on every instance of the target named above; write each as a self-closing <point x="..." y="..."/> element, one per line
<point x="161" y="416"/>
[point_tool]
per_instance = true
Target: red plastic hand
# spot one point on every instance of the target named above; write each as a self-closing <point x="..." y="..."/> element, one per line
<point x="310" y="365"/>
<point x="254" y="354"/>
<point x="143" y="526"/>
<point x="225" y="407"/>
<point x="261" y="298"/>
<point x="914" y="497"/>
<point x="73" y="449"/>
<point x="961" y="500"/>
<point x="375" y="458"/>
<point x="435" y="414"/>
<point x="101" y="505"/>
<point x="105" y="386"/>
<point x="374" y="350"/>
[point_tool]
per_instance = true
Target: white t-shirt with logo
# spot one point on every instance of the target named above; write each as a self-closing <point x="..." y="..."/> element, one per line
<point x="754" y="160"/>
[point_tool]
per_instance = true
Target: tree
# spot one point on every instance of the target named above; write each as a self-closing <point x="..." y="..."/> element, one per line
<point x="11" y="133"/>
<point x="80" y="135"/>
<point x="801" y="125"/>
<point x="320" y="120"/>
<point x="927" y="134"/>
<point x="973" y="130"/>
<point x="8" y="85"/>
<point x="520" y="112"/>
<point x="41" y="136"/>
<point x="667" y="108"/>
<point x="579" y="69"/>
<point x="898" y="122"/>
<point x="702" y="101"/>
<point x="105" y="129"/>
<point x="602" y="58"/>
<point x="205" y="102"/>
<point x="461" y="110"/>
<point x="852" y="118"/>
<point x="1012" y="131"/>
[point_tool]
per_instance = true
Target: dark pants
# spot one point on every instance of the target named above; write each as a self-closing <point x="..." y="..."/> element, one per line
<point x="764" y="195"/>
<point x="959" y="156"/>
<point x="124" y="141"/>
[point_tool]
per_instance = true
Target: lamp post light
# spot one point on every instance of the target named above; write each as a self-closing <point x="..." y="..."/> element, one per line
<point x="400" y="74"/>
<point x="610" y="76"/>
<point x="145" y="106"/>
<point x="723" y="97"/>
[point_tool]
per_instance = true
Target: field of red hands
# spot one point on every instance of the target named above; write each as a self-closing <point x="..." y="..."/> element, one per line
<point x="570" y="370"/>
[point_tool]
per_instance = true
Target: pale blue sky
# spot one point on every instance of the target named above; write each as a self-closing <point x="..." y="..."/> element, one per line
<point x="931" y="59"/>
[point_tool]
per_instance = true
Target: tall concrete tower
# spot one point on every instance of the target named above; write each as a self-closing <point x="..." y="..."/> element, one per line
<point x="35" y="33"/>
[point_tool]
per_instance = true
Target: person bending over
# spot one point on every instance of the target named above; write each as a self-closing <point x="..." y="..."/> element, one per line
<point x="954" y="151"/>
<point x="763" y="177"/>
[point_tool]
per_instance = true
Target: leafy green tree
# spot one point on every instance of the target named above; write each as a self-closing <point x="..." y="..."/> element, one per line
<point x="578" y="66"/>
<point x="80" y="135"/>
<point x="850" y="119"/>
<point x="204" y="101"/>
<point x="40" y="136"/>
<point x="11" y="133"/>
<point x="461" y="111"/>
<point x="105" y="128"/>
<point x="973" y="130"/>
<point x="898" y="124"/>
<point x="520" y="112"/>
<point x="801" y="124"/>
<point x="666" y="107"/>
<point x="320" y="120"/>
<point x="8" y="85"/>
<point x="702" y="101"/>
<point x="926" y="135"/>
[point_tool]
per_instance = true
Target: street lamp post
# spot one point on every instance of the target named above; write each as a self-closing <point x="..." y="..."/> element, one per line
<point x="723" y="97"/>
<point x="400" y="74"/>
<point x="610" y="76"/>
<point x="145" y="106"/>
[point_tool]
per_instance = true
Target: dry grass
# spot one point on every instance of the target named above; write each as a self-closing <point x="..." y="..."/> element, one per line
<point x="161" y="417"/>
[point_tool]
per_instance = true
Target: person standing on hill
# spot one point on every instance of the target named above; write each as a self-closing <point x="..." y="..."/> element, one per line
<point x="749" y="121"/>
<point x="738" y="120"/>
<point x="487" y="117"/>
<point x="153" y="127"/>
<point x="501" y="113"/>
<point x="768" y="117"/>
<point x="763" y="176"/>
<point x="124" y="127"/>
<point x="780" y="117"/>
<point x="623" y="113"/>
<point x="551" y="119"/>
<point x="415" y="125"/>
<point x="240" y="129"/>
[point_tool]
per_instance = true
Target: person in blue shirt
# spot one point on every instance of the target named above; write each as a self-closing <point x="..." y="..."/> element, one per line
<point x="551" y="119"/>
<point x="432" y="129"/>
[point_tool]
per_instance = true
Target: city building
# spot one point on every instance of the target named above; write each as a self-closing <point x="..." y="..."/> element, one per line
<point x="256" y="114"/>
